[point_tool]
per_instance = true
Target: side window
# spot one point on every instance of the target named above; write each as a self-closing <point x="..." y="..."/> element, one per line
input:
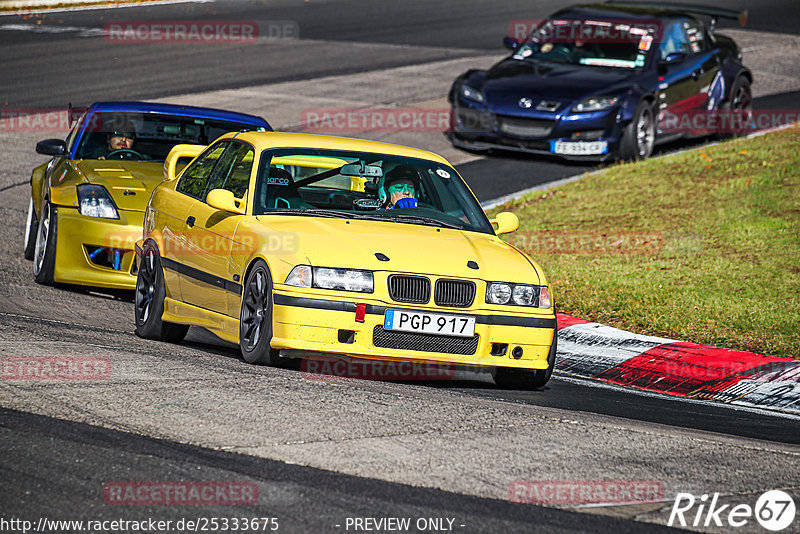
<point x="674" y="41"/>
<point x="193" y="181"/>
<point x="233" y="171"/>
<point x="694" y="31"/>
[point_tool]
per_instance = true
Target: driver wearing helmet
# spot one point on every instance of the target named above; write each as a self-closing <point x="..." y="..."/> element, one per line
<point x="401" y="185"/>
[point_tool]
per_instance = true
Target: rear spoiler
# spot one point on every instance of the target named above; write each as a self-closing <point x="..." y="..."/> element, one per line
<point x="178" y="152"/>
<point x="711" y="11"/>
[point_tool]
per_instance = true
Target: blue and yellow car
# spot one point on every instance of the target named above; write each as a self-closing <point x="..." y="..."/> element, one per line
<point x="87" y="202"/>
<point x="295" y="246"/>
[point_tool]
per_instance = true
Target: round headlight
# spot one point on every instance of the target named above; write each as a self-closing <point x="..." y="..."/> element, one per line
<point x="523" y="295"/>
<point x="326" y="278"/>
<point x="499" y="293"/>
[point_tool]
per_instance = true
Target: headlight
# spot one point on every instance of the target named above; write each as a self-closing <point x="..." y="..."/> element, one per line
<point x="595" y="103"/>
<point x="331" y="278"/>
<point x="471" y="93"/>
<point x="94" y="201"/>
<point x="498" y="293"/>
<point x="523" y="295"/>
<point x="517" y="294"/>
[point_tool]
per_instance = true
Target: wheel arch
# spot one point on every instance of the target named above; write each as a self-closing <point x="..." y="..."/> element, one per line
<point x="633" y="98"/>
<point x="250" y="264"/>
<point x="732" y="75"/>
<point x="152" y="240"/>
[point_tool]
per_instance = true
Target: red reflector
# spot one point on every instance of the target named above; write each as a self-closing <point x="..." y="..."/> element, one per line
<point x="361" y="310"/>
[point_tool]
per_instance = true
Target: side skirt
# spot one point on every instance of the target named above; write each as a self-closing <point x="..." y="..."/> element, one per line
<point x="181" y="313"/>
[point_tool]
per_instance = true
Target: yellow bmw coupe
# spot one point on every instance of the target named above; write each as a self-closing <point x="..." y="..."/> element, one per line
<point x="302" y="246"/>
<point x="87" y="202"/>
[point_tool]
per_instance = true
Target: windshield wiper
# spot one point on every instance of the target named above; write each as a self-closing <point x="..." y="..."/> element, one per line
<point x="418" y="219"/>
<point x="429" y="221"/>
<point x="315" y="212"/>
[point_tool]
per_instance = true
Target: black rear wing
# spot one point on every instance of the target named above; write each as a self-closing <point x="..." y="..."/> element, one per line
<point x="711" y="11"/>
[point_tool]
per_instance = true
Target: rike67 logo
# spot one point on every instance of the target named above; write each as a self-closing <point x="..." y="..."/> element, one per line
<point x="774" y="510"/>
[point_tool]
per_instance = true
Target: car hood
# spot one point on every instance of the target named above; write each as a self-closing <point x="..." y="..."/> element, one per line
<point x="130" y="183"/>
<point x="410" y="248"/>
<point x="510" y="80"/>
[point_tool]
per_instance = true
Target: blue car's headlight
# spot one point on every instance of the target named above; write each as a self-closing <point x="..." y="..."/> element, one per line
<point x="94" y="201"/>
<point x="470" y="93"/>
<point x="595" y="103"/>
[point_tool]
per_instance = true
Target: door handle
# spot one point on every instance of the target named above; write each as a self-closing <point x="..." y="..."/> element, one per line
<point x="190" y="221"/>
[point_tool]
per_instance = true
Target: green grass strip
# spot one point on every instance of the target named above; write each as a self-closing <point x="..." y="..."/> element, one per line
<point x="702" y="246"/>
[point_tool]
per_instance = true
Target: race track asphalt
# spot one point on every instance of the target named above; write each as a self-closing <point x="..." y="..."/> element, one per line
<point x="324" y="450"/>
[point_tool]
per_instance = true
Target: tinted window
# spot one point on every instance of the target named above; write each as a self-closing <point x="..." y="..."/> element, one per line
<point x="595" y="43"/>
<point x="233" y="170"/>
<point x="194" y="179"/>
<point x="674" y="41"/>
<point x="695" y="34"/>
<point x="360" y="185"/>
<point x="153" y="134"/>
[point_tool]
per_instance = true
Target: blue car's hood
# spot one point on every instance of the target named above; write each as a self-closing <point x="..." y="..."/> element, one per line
<point x="510" y="80"/>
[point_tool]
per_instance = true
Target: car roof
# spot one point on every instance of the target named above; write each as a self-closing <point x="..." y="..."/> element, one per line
<point x="268" y="140"/>
<point x="611" y="11"/>
<point x="186" y="111"/>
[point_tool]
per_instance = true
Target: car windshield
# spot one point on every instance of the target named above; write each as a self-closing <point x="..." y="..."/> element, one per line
<point x="148" y="136"/>
<point x="596" y="43"/>
<point x="359" y="185"/>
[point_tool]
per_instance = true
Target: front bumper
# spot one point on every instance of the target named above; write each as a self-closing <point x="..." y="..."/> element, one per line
<point x="97" y="252"/>
<point x="306" y="324"/>
<point x="479" y="129"/>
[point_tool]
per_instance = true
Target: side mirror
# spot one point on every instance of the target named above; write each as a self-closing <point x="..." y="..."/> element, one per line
<point x="52" y="147"/>
<point x="674" y="58"/>
<point x="510" y="43"/>
<point x="506" y="222"/>
<point x="178" y="152"/>
<point x="222" y="199"/>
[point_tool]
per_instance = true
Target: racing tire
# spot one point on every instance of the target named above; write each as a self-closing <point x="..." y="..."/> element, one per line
<point x="510" y="378"/>
<point x="255" y="320"/>
<point x="149" y="301"/>
<point x="741" y="100"/>
<point x="44" y="256"/>
<point x="638" y="138"/>
<point x="31" y="229"/>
